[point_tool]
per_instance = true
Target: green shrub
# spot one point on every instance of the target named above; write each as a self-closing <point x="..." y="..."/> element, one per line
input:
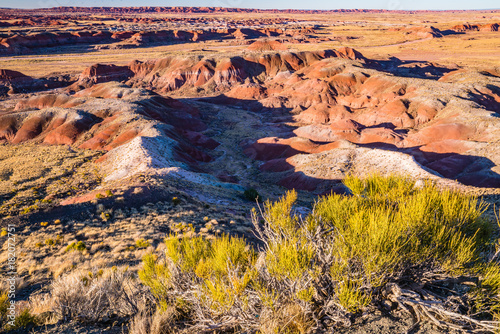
<point x="279" y="216"/>
<point x="395" y="226"/>
<point x="187" y="252"/>
<point x="155" y="275"/>
<point x="289" y="258"/>
<point x="79" y="246"/>
<point x="251" y="194"/>
<point x="193" y="254"/>
<point x="105" y="216"/>
<point x="141" y="243"/>
<point x="222" y="268"/>
<point x="4" y="307"/>
<point x="24" y="320"/>
<point x="50" y="242"/>
<point x="227" y="252"/>
<point x="351" y="297"/>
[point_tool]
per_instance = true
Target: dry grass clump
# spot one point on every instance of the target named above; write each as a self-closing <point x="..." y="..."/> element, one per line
<point x="157" y="322"/>
<point x="394" y="240"/>
<point x="90" y="297"/>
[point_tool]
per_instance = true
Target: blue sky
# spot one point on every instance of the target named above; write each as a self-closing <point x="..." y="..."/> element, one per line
<point x="280" y="4"/>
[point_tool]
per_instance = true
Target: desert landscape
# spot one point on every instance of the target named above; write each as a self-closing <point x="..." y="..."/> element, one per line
<point x="225" y="170"/>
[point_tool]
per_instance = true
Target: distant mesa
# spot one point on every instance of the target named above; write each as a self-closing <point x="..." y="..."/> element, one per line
<point x="266" y="45"/>
<point x="27" y="42"/>
<point x="476" y="27"/>
<point x="425" y="32"/>
<point x="14" y="81"/>
<point x="421" y="31"/>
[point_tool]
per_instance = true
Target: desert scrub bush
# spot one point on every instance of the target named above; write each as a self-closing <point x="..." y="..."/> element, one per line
<point x="141" y="243"/>
<point x="105" y="216"/>
<point x="78" y="246"/>
<point x="23" y="319"/>
<point x="387" y="228"/>
<point x="93" y="296"/>
<point x="219" y="272"/>
<point x="251" y="194"/>
<point x="349" y="252"/>
<point x="4" y="307"/>
<point x="393" y="230"/>
<point x="49" y="242"/>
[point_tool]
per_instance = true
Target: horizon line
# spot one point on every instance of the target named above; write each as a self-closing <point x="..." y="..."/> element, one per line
<point x="266" y="9"/>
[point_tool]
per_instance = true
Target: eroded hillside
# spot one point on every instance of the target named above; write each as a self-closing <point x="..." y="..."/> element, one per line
<point x="301" y="119"/>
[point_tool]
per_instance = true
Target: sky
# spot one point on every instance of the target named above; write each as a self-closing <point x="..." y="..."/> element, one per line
<point x="267" y="4"/>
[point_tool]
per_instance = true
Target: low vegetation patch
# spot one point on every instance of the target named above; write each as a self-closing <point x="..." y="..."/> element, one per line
<point x="23" y="318"/>
<point x="251" y="194"/>
<point x="141" y="243"/>
<point x="392" y="243"/>
<point x="78" y="246"/>
<point x="391" y="240"/>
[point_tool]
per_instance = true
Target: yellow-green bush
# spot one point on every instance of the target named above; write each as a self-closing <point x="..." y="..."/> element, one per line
<point x="290" y="258"/>
<point x="486" y="296"/>
<point x="155" y="275"/>
<point x="395" y="225"/>
<point x="351" y="297"/>
<point x="22" y="320"/>
<point x="78" y="246"/>
<point x="279" y="213"/>
<point x="4" y="307"/>
<point x="220" y="267"/>
<point x="141" y="243"/>
<point x="389" y="229"/>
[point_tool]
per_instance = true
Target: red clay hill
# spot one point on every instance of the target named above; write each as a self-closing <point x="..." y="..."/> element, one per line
<point x="326" y="113"/>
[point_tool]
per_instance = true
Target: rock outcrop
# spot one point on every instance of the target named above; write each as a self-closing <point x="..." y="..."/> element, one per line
<point x="476" y="27"/>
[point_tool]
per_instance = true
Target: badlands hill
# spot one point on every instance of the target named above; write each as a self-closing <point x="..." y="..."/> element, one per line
<point x="322" y="115"/>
